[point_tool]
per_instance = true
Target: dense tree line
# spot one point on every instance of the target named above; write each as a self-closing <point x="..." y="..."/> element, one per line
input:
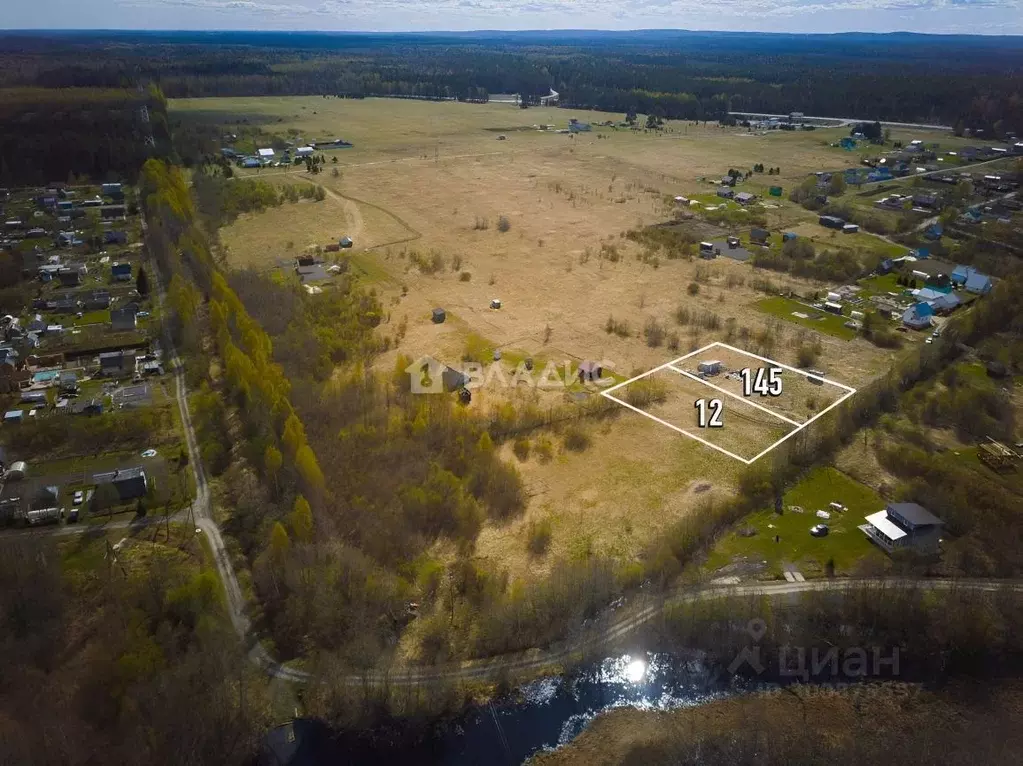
<point x="96" y="133"/>
<point x="129" y="657"/>
<point x="958" y="81"/>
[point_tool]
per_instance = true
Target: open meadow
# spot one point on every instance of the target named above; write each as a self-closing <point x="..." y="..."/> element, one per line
<point x="445" y="213"/>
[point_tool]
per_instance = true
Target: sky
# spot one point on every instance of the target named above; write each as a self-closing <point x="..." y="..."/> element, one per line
<point x="801" y="16"/>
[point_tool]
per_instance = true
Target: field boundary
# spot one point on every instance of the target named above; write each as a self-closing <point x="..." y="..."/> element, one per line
<point x="849" y="391"/>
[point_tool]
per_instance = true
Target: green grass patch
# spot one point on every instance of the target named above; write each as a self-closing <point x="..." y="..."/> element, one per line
<point x="832" y="324"/>
<point x="89" y="464"/>
<point x="882" y="284"/>
<point x="845" y="544"/>
<point x="368" y="268"/>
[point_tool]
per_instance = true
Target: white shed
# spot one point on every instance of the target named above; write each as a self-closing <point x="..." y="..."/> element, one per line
<point x="265" y="154"/>
<point x="709" y="367"/>
<point x="304" y="151"/>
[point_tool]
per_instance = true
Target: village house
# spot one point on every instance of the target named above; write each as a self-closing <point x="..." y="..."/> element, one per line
<point x="116" y="362"/>
<point x="130" y="483"/>
<point x="918" y="316"/>
<point x="123" y="319"/>
<point x="904" y="526"/>
<point x="120" y="272"/>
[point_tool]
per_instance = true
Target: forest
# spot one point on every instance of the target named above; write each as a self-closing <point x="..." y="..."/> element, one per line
<point x="58" y="135"/>
<point x="969" y="82"/>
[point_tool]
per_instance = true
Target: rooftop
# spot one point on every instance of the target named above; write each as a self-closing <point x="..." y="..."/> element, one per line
<point x="913" y="513"/>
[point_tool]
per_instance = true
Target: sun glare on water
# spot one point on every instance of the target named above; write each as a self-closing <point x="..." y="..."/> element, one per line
<point x="635" y="671"/>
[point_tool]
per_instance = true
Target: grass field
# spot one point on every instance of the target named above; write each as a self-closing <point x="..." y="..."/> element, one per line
<point x="786" y="308"/>
<point x="845" y="544"/>
<point x="427" y="182"/>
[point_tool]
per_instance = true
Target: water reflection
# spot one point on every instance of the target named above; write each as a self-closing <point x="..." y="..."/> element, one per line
<point x="551" y="712"/>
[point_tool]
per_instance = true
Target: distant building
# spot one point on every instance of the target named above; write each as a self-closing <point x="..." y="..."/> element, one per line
<point x="89" y="407"/>
<point x="130" y="483"/>
<point x="574" y="126"/>
<point x="745" y="198"/>
<point x="121" y="272"/>
<point x="71" y="276"/>
<point x="978" y="283"/>
<point x="116" y="362"/>
<point x="304" y="151"/>
<point x="709" y="367"/>
<point x="725" y="193"/>
<point x="123" y="319"/>
<point x="97" y="300"/>
<point x="904" y="526"/>
<point x="831" y="222"/>
<point x="265" y="154"/>
<point x="918" y="316"/>
<point x="68" y="382"/>
<point x="759" y="236"/>
<point x="115" y="237"/>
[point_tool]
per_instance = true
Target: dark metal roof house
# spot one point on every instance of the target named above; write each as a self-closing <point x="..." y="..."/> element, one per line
<point x="130" y="483"/>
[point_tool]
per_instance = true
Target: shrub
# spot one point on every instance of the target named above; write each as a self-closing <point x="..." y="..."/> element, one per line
<point x="465" y="276"/>
<point x="481" y="224"/>
<point x="521" y="448"/>
<point x="503" y="224"/>
<point x="806" y="355"/>
<point x="456" y="262"/>
<point x="653" y="331"/>
<point x="539" y="537"/>
<point x="576" y="438"/>
<point x="693" y="289"/>
<point x="673" y="341"/>
<point x="544" y="449"/>
<point x="619" y="328"/>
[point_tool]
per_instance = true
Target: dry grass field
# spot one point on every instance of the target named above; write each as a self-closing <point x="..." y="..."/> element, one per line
<point x="425" y="186"/>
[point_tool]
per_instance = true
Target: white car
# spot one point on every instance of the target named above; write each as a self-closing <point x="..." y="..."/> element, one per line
<point x="78" y="498"/>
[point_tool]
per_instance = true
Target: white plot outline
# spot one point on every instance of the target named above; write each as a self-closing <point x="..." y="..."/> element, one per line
<point x="849" y="391"/>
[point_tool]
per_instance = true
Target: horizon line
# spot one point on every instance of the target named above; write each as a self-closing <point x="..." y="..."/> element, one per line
<point x="534" y="30"/>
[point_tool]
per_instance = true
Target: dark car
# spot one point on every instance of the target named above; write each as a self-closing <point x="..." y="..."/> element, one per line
<point x="819" y="530"/>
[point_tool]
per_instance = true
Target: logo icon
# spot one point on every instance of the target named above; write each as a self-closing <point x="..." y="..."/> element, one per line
<point x="757" y="629"/>
<point x="426" y="375"/>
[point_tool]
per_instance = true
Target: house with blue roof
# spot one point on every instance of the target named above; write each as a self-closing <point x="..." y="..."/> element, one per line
<point x="978" y="283"/>
<point x="959" y="275"/>
<point x="972" y="280"/>
<point x="945" y="303"/>
<point x="918" y="316"/>
<point x="928" y="294"/>
<point x="934" y="231"/>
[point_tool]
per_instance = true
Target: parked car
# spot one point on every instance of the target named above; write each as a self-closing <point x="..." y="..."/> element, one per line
<point x="78" y="498"/>
<point x="72" y="517"/>
<point x="819" y="530"/>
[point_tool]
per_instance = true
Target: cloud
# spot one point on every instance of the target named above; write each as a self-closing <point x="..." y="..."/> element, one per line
<point x="991" y="16"/>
